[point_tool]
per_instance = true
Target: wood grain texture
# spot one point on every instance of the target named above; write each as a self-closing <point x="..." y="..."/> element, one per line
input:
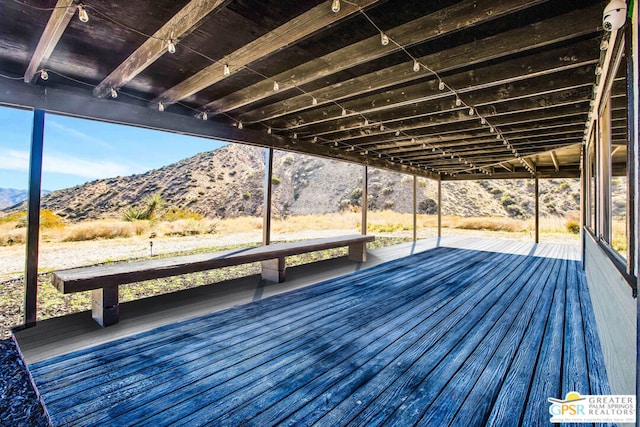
<point x="88" y="278"/>
<point x="447" y="335"/>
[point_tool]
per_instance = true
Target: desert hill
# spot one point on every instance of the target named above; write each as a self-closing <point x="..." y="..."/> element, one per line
<point x="229" y="182"/>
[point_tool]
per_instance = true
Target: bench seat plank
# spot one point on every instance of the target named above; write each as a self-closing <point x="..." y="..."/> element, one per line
<point x="89" y="278"/>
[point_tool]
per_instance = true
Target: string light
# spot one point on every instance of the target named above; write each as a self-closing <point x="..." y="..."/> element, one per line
<point x="381" y="127"/>
<point x="205" y="116"/>
<point x="366" y="122"/>
<point x="295" y="135"/>
<point x="315" y="139"/>
<point x="269" y="131"/>
<point x="171" y="46"/>
<point x="397" y="133"/>
<point x="226" y="71"/>
<point x="160" y="106"/>
<point x="83" y="16"/>
<point x="314" y="100"/>
<point x="240" y="126"/>
<point x="441" y="85"/>
<point x="44" y="75"/>
<point x="335" y="6"/>
<point x="335" y="143"/>
<point x="471" y="111"/>
<point x="416" y="66"/>
<point x="384" y="39"/>
<point x="483" y="121"/>
<point x="344" y="112"/>
<point x="276" y="86"/>
<point x="458" y="102"/>
<point x="114" y="93"/>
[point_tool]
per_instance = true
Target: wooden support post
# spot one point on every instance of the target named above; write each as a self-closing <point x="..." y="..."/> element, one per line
<point x="105" y="308"/>
<point x="33" y="219"/>
<point x="364" y="203"/>
<point x="415" y="208"/>
<point x="439" y="207"/>
<point x="358" y="252"/>
<point x="268" y="187"/>
<point x="584" y="193"/>
<point x="536" y="187"/>
<point x="631" y="149"/>
<point x="604" y="172"/>
<point x="273" y="270"/>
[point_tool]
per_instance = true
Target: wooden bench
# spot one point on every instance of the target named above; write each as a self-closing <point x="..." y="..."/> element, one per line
<point x="104" y="280"/>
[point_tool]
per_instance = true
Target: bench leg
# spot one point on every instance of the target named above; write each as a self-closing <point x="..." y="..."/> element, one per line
<point x="273" y="270"/>
<point x="358" y="252"/>
<point x="105" y="306"/>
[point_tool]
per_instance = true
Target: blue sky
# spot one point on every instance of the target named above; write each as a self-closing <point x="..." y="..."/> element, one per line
<point x="77" y="151"/>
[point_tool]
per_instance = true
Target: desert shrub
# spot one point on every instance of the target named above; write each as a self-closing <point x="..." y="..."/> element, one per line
<point x="186" y="227"/>
<point x="344" y="205"/>
<point x="48" y="219"/>
<point x="507" y="200"/>
<point x="388" y="204"/>
<point x="573" y="227"/>
<point x="563" y="186"/>
<point x="515" y="210"/>
<point x="428" y="206"/>
<point x="246" y="195"/>
<point x="275" y="180"/>
<point x="387" y="190"/>
<point x="175" y="214"/>
<point x="153" y="204"/>
<point x="94" y="230"/>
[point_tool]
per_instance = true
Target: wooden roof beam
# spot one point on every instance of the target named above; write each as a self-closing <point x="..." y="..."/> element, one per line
<point x="554" y="158"/>
<point x="466" y="13"/>
<point x="180" y="24"/>
<point x="535" y="91"/>
<point x="283" y="36"/>
<point x="60" y="17"/>
<point x="507" y="166"/>
<point x="561" y="28"/>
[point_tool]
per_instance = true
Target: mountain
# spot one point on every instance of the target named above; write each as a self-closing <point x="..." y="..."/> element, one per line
<point x="229" y="182"/>
<point x="10" y="197"/>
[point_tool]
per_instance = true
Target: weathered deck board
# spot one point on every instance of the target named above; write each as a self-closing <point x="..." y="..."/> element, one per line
<point x="450" y="335"/>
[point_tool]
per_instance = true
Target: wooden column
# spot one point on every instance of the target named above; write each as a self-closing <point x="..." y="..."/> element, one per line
<point x="631" y="149"/>
<point x="536" y="187"/>
<point x="268" y="187"/>
<point x="439" y="207"/>
<point x="415" y="208"/>
<point x="604" y="172"/>
<point x="33" y="219"/>
<point x="364" y="203"/>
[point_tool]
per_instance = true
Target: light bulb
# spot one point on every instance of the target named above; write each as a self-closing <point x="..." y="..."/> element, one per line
<point x="205" y="116"/>
<point x="344" y="112"/>
<point x="441" y="85"/>
<point x="171" y="46"/>
<point x="160" y="106"/>
<point x="492" y="129"/>
<point x="471" y="111"/>
<point x="44" y="75"/>
<point x="335" y="6"/>
<point x="314" y="101"/>
<point x="276" y="86"/>
<point x="413" y="140"/>
<point x="240" y="126"/>
<point x="335" y="143"/>
<point x="226" y="71"/>
<point x="114" y="93"/>
<point x="598" y="70"/>
<point x="269" y="130"/>
<point x="315" y="139"/>
<point x="366" y="122"/>
<point x="82" y="13"/>
<point x="384" y="39"/>
<point x="433" y="149"/>
<point x="381" y="127"/>
<point x="295" y="135"/>
<point x="416" y="66"/>
<point x="483" y="121"/>
<point x="458" y="102"/>
<point x="397" y="133"/>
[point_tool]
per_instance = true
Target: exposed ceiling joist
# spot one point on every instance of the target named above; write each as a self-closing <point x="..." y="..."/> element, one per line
<point x="156" y="45"/>
<point x="511" y="42"/>
<point x="285" y="35"/>
<point x="442" y="22"/>
<point x="58" y="22"/>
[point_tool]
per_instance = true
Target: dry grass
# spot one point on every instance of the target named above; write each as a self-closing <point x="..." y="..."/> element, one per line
<point x="12" y="232"/>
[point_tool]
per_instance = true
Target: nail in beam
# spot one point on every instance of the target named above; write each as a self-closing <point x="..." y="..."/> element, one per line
<point x="33" y="219"/>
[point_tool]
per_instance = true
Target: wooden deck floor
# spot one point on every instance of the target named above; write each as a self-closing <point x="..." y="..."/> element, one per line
<point x="447" y="336"/>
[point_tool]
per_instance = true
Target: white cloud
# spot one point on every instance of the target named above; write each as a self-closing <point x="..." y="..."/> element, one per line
<point x="76" y="134"/>
<point x="19" y="160"/>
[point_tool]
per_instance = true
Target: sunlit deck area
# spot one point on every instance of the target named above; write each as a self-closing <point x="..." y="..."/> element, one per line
<point x="453" y="330"/>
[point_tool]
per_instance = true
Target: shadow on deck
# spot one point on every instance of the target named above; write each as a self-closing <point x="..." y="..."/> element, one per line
<point x="474" y="333"/>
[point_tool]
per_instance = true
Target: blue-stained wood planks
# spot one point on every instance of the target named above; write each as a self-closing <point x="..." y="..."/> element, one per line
<point x="445" y="337"/>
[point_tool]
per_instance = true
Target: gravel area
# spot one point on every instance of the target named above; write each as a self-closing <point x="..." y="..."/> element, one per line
<point x="19" y="404"/>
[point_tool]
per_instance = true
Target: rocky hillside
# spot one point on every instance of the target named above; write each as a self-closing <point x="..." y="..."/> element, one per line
<point x="229" y="182"/>
<point x="10" y="197"/>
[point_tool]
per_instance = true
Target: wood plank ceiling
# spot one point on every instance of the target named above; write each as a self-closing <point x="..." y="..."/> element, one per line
<point x="446" y="89"/>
